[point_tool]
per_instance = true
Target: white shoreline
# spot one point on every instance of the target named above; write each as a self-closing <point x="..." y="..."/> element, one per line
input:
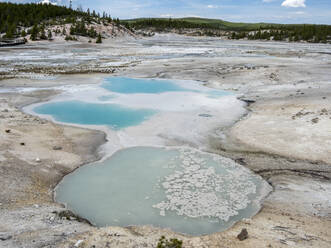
<point x="127" y="137"/>
<point x="115" y="140"/>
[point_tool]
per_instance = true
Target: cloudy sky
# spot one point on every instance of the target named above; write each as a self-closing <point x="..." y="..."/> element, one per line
<point x="279" y="11"/>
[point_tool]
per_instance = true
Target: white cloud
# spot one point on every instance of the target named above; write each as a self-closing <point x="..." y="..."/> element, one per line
<point x="212" y="6"/>
<point x="294" y="3"/>
<point x="48" y="2"/>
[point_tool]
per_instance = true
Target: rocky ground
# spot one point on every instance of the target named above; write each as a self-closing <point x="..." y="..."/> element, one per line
<point x="35" y="155"/>
<point x="285" y="137"/>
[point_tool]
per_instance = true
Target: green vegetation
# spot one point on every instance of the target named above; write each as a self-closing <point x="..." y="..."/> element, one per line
<point x="213" y="27"/>
<point x="16" y="19"/>
<point x="79" y="28"/>
<point x="20" y="20"/>
<point x="49" y="35"/>
<point x="99" y="39"/>
<point x="172" y="243"/>
<point x="14" y="16"/>
<point x="72" y="38"/>
<point x="191" y="22"/>
<point x="34" y="32"/>
<point x="305" y="32"/>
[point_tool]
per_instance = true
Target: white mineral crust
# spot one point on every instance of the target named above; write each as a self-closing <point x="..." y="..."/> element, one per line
<point x="197" y="190"/>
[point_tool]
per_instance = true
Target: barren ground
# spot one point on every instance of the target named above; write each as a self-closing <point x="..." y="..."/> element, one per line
<point x="285" y="137"/>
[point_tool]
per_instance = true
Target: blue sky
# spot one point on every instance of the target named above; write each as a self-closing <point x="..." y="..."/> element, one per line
<point x="278" y="11"/>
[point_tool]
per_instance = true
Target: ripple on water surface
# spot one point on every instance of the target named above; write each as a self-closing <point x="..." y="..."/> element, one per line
<point x="182" y="189"/>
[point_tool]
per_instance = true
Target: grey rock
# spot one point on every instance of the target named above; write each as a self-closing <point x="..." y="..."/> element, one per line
<point x="248" y="101"/>
<point x="205" y="115"/>
<point x="243" y="234"/>
<point x="4" y="237"/>
<point x="315" y="120"/>
<point x="57" y="148"/>
<point x="240" y="161"/>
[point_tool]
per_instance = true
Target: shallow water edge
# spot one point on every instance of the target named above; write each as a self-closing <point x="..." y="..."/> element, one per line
<point x="97" y="127"/>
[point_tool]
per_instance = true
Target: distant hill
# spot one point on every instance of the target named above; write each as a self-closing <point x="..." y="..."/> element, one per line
<point x="234" y="30"/>
<point x="49" y="22"/>
<point x="196" y="22"/>
<point x="26" y="15"/>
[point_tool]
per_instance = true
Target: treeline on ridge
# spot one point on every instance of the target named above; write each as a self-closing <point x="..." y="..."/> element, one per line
<point x="258" y="31"/>
<point x="304" y="32"/>
<point x="161" y="24"/>
<point x="16" y="18"/>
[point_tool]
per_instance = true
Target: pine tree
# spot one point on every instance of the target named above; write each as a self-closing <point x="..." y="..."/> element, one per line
<point x="11" y="31"/>
<point x="34" y="32"/>
<point x="99" y="39"/>
<point x="42" y="33"/>
<point x="49" y="35"/>
<point x="23" y="33"/>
